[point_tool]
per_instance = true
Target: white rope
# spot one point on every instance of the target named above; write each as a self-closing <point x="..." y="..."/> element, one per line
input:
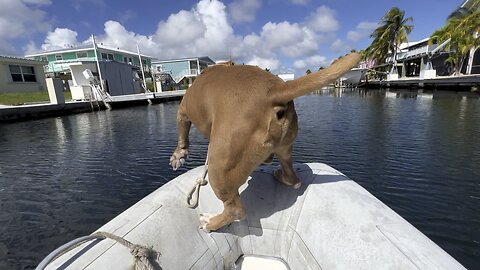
<point x="143" y="256"/>
<point x="194" y="194"/>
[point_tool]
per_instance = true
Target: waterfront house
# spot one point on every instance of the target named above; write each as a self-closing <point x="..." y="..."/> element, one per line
<point x="59" y="60"/>
<point x="21" y="75"/>
<point x="417" y="57"/>
<point x="181" y="71"/>
<point x="422" y="60"/>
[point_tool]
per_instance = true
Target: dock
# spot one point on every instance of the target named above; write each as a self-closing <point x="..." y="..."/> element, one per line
<point x="463" y="82"/>
<point x="35" y="111"/>
<point x="145" y="99"/>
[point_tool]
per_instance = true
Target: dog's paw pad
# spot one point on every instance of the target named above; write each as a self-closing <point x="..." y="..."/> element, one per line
<point x="177" y="163"/>
<point x="178" y="158"/>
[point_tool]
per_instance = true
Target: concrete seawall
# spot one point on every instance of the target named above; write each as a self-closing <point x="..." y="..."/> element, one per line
<point x="35" y="111"/>
<point x="28" y="112"/>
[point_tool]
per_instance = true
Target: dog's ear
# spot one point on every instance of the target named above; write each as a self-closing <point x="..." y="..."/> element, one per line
<point x="289" y="90"/>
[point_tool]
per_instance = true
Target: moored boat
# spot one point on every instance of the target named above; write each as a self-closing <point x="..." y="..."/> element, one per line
<point x="353" y="76"/>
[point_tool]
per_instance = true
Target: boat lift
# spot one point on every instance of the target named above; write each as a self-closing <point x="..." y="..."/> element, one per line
<point x="96" y="90"/>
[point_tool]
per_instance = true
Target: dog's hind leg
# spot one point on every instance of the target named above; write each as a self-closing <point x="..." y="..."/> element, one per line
<point x="233" y="210"/>
<point x="225" y="185"/>
<point x="286" y="175"/>
<point x="181" y="152"/>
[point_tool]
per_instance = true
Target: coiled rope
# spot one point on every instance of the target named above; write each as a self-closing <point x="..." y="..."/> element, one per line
<point x="144" y="257"/>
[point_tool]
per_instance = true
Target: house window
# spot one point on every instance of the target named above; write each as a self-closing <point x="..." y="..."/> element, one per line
<point x="107" y="56"/>
<point x="44" y="59"/>
<point x="58" y="57"/>
<point x="82" y="55"/>
<point x="22" y="73"/>
<point x="125" y="60"/>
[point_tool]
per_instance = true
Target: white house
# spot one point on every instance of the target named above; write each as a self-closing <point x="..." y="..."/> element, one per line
<point x="21" y="75"/>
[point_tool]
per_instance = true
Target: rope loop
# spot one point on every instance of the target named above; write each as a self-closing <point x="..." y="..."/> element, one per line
<point x="194" y="194"/>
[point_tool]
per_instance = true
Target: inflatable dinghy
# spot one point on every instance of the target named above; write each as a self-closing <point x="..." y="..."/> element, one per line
<point x="329" y="223"/>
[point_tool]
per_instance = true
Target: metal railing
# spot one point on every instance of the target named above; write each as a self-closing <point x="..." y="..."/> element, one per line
<point x="184" y="73"/>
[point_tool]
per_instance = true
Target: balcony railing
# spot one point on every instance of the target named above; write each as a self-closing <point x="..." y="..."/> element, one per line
<point x="185" y="73"/>
<point x="416" y="52"/>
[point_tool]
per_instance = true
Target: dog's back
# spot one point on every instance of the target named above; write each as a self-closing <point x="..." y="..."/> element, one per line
<point x="227" y="94"/>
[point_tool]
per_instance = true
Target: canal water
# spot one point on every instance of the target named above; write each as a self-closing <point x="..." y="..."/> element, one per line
<point x="61" y="178"/>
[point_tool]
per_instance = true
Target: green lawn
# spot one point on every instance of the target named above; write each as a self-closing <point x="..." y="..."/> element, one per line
<point x="22" y="98"/>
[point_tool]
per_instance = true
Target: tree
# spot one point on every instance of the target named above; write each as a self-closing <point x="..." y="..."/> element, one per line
<point x="461" y="33"/>
<point x="392" y="31"/>
<point x="308" y="71"/>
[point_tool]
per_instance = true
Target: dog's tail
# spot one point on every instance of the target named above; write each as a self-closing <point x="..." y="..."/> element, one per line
<point x="291" y="89"/>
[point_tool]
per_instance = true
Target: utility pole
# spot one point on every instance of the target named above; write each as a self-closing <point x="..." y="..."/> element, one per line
<point x="143" y="72"/>
<point x="98" y="63"/>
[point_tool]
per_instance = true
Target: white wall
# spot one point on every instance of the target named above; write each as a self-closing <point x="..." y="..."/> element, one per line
<point x="9" y="86"/>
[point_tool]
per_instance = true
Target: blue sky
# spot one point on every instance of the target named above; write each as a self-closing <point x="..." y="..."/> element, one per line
<point x="283" y="35"/>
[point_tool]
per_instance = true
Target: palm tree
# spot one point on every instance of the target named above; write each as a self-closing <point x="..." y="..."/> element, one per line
<point x="461" y="33"/>
<point x="392" y="31"/>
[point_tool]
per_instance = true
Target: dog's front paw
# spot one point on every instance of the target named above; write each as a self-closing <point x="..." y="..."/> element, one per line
<point x="204" y="220"/>
<point x="178" y="158"/>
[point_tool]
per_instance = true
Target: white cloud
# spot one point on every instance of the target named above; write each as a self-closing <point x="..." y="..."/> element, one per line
<point x="218" y="36"/>
<point x="242" y="11"/>
<point x="294" y="41"/>
<point x="60" y="38"/>
<point x="19" y="20"/>
<point x="313" y="62"/>
<point x="210" y="33"/>
<point x="278" y="35"/>
<point x="270" y="63"/>
<point x="173" y="31"/>
<point x="363" y="30"/>
<point x="339" y="46"/>
<point x="323" y="20"/>
<point x="117" y="36"/>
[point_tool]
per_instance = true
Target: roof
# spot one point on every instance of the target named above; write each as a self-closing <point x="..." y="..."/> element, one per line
<point x="467" y="4"/>
<point x="202" y="58"/>
<point x="81" y="62"/>
<point x="413" y="43"/>
<point x="86" y="47"/>
<point x="21" y="59"/>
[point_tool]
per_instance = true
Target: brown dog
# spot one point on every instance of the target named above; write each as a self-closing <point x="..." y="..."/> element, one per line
<point x="248" y="116"/>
